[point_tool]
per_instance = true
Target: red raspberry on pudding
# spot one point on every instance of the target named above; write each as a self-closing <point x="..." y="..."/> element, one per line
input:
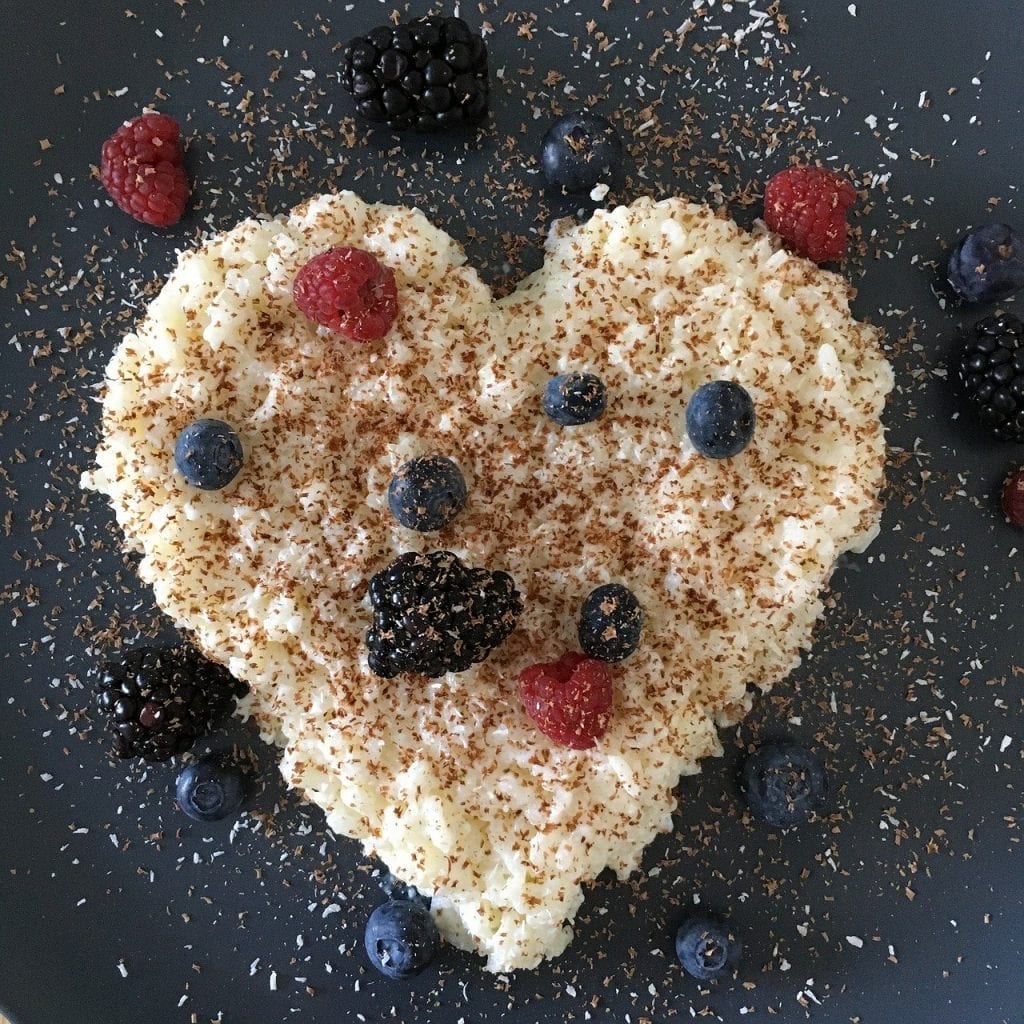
<point x="570" y="699"/>
<point x="348" y="291"/>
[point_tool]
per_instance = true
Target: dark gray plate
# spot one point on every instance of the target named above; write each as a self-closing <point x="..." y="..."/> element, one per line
<point x="906" y="899"/>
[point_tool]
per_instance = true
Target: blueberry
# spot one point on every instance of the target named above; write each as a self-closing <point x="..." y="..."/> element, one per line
<point x="610" y="622"/>
<point x="783" y="783"/>
<point x="720" y="419"/>
<point x="211" y="788"/>
<point x="427" y="493"/>
<point x="572" y="399"/>
<point x="987" y="264"/>
<point x="401" y="938"/>
<point x="580" y="151"/>
<point x="706" y="946"/>
<point x="208" y="454"/>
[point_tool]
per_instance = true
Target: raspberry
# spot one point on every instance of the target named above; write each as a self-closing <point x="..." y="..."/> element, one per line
<point x="570" y="700"/>
<point x="349" y="291"/>
<point x="807" y="207"/>
<point x="143" y="168"/>
<point x="1013" y="497"/>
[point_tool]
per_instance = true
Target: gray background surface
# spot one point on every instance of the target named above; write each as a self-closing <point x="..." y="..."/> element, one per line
<point x="906" y="899"/>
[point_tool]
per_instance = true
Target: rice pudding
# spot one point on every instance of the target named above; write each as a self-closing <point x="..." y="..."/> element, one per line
<point x="447" y="780"/>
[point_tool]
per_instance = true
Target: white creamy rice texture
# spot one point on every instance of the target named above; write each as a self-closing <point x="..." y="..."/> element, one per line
<point x="447" y="780"/>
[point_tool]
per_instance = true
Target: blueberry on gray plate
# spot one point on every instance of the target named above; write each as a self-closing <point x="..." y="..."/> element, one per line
<point x="211" y="788"/>
<point x="987" y="264"/>
<point x="580" y="151"/>
<point x="572" y="399"/>
<point x="401" y="938"/>
<point x="707" y="947"/>
<point x="427" y="493"/>
<point x="208" y="454"/>
<point x="783" y="783"/>
<point x="720" y="419"/>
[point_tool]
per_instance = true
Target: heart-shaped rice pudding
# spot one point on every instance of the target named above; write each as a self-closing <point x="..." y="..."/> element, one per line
<point x="448" y="780"/>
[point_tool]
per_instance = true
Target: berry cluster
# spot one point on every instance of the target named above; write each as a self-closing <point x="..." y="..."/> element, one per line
<point x="429" y="74"/>
<point x="992" y="369"/>
<point x="433" y="615"/>
<point x="157" y="701"/>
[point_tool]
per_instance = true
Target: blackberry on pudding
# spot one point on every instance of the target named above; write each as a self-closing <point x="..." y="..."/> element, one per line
<point x="432" y="614"/>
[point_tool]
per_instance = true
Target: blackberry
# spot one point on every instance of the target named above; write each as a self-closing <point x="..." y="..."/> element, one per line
<point x="429" y="74"/>
<point x="992" y="370"/>
<point x="157" y="701"/>
<point x="432" y="614"/>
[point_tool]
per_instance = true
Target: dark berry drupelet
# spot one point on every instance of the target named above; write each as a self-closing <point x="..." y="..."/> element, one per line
<point x="572" y="399"/>
<point x="992" y="369"/>
<point x="157" y="701"/>
<point x="611" y="620"/>
<point x="432" y="614"/>
<point x="429" y="74"/>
